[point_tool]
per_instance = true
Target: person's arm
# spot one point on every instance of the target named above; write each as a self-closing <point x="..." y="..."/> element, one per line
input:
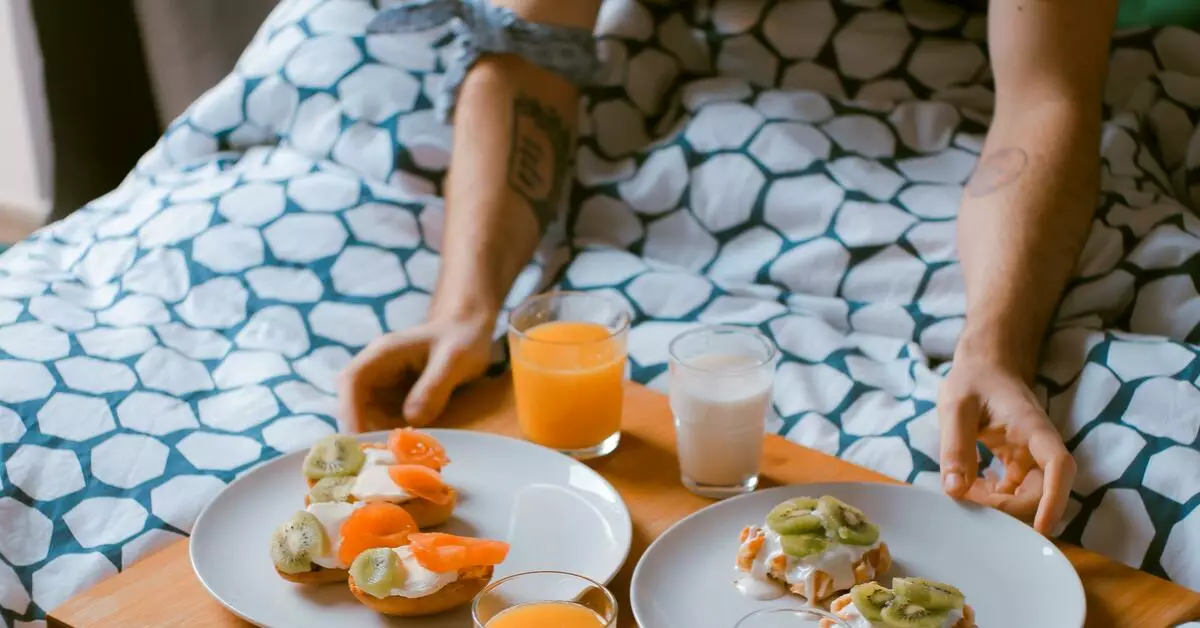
<point x="513" y="131"/>
<point x="1024" y="217"/>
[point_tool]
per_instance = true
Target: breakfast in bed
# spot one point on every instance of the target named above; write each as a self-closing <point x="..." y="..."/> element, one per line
<point x="910" y="603"/>
<point x="368" y="505"/>
<point x="360" y="525"/>
<point x="812" y="548"/>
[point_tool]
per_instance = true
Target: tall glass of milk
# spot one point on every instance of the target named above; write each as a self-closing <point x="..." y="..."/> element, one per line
<point x="720" y="383"/>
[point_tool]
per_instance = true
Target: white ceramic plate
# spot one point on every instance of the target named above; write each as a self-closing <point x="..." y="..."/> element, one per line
<point x="1010" y="574"/>
<point x="557" y="514"/>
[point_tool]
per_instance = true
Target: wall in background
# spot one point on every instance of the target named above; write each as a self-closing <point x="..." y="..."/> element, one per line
<point x="26" y="153"/>
<point x="190" y="46"/>
<point x="98" y="95"/>
<point x="80" y="90"/>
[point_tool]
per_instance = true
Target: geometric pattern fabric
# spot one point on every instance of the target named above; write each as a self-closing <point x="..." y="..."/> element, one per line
<point x="793" y="165"/>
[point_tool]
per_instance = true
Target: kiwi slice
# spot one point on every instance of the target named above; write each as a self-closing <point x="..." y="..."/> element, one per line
<point x="847" y="524"/>
<point x="870" y="599"/>
<point x="902" y="613"/>
<point x="331" y="489"/>
<point x="376" y="570"/>
<point x="794" y="516"/>
<point x="295" y="543"/>
<point x="801" y="545"/>
<point x="930" y="594"/>
<point x="866" y="534"/>
<point x="333" y="456"/>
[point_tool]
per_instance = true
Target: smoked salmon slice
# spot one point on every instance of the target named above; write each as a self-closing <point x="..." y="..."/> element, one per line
<point x="422" y="482"/>
<point x="412" y="447"/>
<point x="446" y="552"/>
<point x="376" y="524"/>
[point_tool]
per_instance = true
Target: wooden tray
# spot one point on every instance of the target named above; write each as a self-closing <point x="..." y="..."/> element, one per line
<point x="162" y="590"/>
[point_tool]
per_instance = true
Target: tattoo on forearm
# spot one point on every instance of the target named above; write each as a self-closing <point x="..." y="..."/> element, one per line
<point x="537" y="160"/>
<point x="997" y="170"/>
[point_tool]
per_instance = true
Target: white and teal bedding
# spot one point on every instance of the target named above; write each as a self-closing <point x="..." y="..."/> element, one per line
<point x="793" y="165"/>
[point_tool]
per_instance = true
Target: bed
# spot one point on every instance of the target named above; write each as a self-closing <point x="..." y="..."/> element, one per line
<point x="742" y="162"/>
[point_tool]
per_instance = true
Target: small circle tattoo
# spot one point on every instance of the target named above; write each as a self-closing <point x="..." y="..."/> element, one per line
<point x="997" y="170"/>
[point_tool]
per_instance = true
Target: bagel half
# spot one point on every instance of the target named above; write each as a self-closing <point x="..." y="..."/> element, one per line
<point x="426" y="513"/>
<point x="318" y="575"/>
<point x="470" y="582"/>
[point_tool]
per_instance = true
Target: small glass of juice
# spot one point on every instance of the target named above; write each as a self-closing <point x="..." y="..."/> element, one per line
<point x="568" y="354"/>
<point x="545" y="599"/>
<point x="720" y="390"/>
<point x="791" y="618"/>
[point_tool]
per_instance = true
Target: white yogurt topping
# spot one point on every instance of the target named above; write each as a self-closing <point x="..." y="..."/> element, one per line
<point x="417" y="580"/>
<point x="376" y="456"/>
<point x="331" y="515"/>
<point x="373" y="484"/>
<point x="837" y="560"/>
<point x="856" y="620"/>
<point x="754" y="588"/>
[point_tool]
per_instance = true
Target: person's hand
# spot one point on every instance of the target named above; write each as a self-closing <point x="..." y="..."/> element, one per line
<point x="409" y="375"/>
<point x="992" y="404"/>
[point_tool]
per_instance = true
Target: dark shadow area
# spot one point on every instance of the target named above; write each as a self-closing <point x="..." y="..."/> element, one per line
<point x="101" y="108"/>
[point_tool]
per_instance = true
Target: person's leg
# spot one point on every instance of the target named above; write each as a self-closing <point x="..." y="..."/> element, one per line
<point x="754" y="193"/>
<point x="811" y="187"/>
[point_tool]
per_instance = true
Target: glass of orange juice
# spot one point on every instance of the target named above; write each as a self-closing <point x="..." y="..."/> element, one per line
<point x="545" y="599"/>
<point x="568" y="359"/>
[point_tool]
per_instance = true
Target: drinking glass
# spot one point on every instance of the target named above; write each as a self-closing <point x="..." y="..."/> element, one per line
<point x="545" y="599"/>
<point x="791" y="618"/>
<point x="568" y="360"/>
<point x="720" y="389"/>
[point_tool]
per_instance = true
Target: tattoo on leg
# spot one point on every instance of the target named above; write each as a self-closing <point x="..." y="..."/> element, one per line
<point x="997" y="170"/>
<point x="537" y="160"/>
